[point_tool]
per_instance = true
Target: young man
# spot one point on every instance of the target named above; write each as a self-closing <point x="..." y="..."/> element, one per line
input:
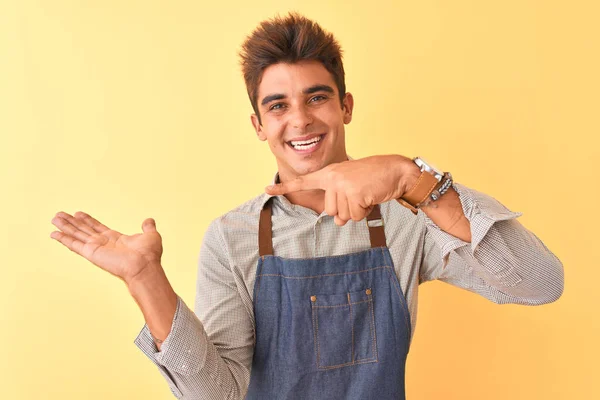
<point x="310" y="290"/>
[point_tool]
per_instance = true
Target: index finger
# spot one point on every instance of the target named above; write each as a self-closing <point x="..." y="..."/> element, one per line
<point x="309" y="181"/>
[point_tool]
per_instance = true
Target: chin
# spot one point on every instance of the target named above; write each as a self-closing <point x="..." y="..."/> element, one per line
<point x="309" y="167"/>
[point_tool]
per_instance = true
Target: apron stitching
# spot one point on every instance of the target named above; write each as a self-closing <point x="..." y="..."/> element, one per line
<point x="363" y="361"/>
<point x="352" y="325"/>
<point x="373" y="332"/>
<point x="316" y="332"/>
<point x="395" y="285"/>
<point x="257" y="278"/>
<point x="375" y="358"/>
<point x="343" y="305"/>
<point x="318" y="276"/>
<point x="370" y="249"/>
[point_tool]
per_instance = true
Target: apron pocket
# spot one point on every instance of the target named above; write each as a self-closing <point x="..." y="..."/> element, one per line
<point x="344" y="329"/>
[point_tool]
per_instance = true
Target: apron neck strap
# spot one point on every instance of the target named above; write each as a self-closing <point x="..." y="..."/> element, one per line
<point x="265" y="233"/>
<point x="265" y="230"/>
<point x="376" y="230"/>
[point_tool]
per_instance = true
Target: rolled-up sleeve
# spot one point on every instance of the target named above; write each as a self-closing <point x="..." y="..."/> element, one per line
<point x="504" y="262"/>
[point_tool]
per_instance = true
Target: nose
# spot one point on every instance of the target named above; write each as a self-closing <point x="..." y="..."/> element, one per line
<point x="300" y="117"/>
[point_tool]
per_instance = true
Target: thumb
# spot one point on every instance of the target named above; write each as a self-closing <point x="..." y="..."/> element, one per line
<point x="149" y="225"/>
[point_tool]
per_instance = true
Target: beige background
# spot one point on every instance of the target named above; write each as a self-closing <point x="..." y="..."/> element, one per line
<point x="136" y="109"/>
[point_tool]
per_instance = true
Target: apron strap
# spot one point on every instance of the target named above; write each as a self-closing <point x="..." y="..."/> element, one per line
<point x="265" y="233"/>
<point x="265" y="230"/>
<point x="376" y="230"/>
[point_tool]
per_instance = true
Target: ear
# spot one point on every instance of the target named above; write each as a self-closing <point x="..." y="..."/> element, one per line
<point x="348" y="106"/>
<point x="258" y="128"/>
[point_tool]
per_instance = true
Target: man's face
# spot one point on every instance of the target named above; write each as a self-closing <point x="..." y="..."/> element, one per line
<point x="302" y="119"/>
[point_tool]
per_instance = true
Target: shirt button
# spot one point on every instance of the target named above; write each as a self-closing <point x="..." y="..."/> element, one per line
<point x="319" y="221"/>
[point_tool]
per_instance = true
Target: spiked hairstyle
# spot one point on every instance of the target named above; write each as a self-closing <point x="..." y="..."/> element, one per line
<point x="289" y="39"/>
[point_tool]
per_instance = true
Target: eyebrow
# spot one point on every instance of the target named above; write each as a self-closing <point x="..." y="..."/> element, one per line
<point x="310" y="90"/>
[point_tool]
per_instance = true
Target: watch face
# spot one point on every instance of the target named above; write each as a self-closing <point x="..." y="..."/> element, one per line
<point x="427" y="166"/>
<point x="423" y="163"/>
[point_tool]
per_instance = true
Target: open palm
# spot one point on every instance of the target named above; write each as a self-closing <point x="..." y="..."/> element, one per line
<point x="121" y="255"/>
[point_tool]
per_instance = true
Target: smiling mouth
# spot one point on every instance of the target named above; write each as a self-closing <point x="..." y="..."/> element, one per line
<point x="306" y="144"/>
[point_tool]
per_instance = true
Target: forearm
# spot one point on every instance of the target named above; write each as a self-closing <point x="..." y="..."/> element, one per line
<point x="157" y="300"/>
<point x="449" y="216"/>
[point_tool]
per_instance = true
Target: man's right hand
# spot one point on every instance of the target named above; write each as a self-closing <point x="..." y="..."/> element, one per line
<point x="135" y="259"/>
<point x="121" y="255"/>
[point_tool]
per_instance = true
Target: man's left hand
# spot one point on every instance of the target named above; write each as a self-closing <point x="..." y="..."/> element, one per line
<point x="352" y="188"/>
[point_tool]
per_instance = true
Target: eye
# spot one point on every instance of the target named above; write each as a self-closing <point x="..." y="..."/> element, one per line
<point x="276" y="106"/>
<point x="317" y="97"/>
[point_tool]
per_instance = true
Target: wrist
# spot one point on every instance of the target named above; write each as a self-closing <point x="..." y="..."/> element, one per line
<point x="421" y="184"/>
<point x="153" y="275"/>
<point x="156" y="299"/>
<point x="409" y="175"/>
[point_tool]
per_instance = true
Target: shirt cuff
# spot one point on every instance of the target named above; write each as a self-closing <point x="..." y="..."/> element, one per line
<point x="182" y="352"/>
<point x="480" y="209"/>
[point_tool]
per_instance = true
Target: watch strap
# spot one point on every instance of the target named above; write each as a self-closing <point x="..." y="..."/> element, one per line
<point x="420" y="191"/>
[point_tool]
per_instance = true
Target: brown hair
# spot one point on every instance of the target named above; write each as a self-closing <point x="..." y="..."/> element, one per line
<point x="289" y="39"/>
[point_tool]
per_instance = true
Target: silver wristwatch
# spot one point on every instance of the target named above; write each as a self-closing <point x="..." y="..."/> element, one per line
<point x="442" y="187"/>
<point x="426" y="166"/>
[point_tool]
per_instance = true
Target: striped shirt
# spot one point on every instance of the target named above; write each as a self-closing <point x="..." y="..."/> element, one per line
<point x="208" y="354"/>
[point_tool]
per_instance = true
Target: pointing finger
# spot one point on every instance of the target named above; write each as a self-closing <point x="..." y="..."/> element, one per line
<point x="306" y="182"/>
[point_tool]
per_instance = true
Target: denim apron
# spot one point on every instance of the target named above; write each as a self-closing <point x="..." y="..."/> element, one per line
<point x="328" y="327"/>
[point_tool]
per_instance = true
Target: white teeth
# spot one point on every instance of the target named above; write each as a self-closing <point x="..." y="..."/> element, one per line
<point x="302" y="145"/>
<point x="306" y="147"/>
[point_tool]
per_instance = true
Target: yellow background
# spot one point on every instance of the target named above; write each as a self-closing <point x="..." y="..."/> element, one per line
<point x="136" y="109"/>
